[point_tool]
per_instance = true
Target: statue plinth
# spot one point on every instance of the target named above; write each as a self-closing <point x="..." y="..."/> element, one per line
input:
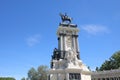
<point x="67" y="25"/>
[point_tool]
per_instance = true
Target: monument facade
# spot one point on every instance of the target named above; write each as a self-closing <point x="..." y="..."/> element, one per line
<point x="66" y="63"/>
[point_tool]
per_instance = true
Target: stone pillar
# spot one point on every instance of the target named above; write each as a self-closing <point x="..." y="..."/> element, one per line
<point x="116" y="78"/>
<point x="58" y="43"/>
<point x="77" y="46"/>
<point x="64" y="44"/>
<point x="48" y="76"/>
<point x="61" y="42"/>
<point x="76" y="43"/>
<point x="73" y="42"/>
<point x="67" y="76"/>
<point x="61" y="45"/>
<point x="57" y="76"/>
<point x="113" y="78"/>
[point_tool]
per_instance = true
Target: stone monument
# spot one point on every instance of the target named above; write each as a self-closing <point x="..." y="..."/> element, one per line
<point x="66" y="63"/>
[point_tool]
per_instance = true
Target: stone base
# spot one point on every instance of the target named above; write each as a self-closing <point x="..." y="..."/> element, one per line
<point x="70" y="72"/>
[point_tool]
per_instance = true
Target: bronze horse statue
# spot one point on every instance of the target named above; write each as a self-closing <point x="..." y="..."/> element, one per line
<point x="64" y="18"/>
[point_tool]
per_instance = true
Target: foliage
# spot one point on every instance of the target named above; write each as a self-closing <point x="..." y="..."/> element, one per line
<point x="89" y="68"/>
<point x="39" y="74"/>
<point x="23" y="78"/>
<point x="7" y="78"/>
<point x="97" y="69"/>
<point x="112" y="63"/>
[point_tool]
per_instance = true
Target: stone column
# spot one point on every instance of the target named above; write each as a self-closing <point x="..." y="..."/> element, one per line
<point x="67" y="76"/>
<point x="62" y="45"/>
<point x="61" y="42"/>
<point x="76" y="42"/>
<point x="116" y="78"/>
<point x="57" y="76"/>
<point x="73" y="42"/>
<point x="113" y="78"/>
<point x="58" y="43"/>
<point x="119" y="77"/>
<point x="62" y="53"/>
<point x="48" y="77"/>
<point x="77" y="46"/>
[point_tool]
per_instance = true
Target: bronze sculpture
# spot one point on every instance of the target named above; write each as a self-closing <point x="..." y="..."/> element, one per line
<point x="65" y="18"/>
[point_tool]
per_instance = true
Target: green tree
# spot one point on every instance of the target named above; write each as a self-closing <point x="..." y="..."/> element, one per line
<point x="89" y="68"/>
<point x="112" y="63"/>
<point x="23" y="78"/>
<point x="42" y="71"/>
<point x="97" y="69"/>
<point x="32" y="74"/>
<point x="7" y="78"/>
<point x="39" y="74"/>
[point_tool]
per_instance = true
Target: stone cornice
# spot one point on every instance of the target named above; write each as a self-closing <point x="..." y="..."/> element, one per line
<point x="62" y="30"/>
<point x="67" y="25"/>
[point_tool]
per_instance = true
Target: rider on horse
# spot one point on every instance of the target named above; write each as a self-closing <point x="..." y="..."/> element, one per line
<point x="65" y="18"/>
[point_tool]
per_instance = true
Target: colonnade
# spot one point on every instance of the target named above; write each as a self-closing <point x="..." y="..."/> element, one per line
<point x="62" y="43"/>
<point x="106" y="75"/>
<point x="107" y="78"/>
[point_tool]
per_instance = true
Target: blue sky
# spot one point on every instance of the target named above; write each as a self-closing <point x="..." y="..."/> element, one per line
<point x="28" y="32"/>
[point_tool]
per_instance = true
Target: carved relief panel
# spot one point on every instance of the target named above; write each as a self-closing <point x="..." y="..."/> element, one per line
<point x="68" y="42"/>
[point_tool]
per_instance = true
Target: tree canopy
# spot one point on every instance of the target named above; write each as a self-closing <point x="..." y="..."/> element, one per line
<point x="112" y="63"/>
<point x="37" y="74"/>
<point x="7" y="78"/>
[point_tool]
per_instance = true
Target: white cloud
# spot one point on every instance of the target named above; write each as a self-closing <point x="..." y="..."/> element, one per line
<point x="95" y="29"/>
<point x="33" y="40"/>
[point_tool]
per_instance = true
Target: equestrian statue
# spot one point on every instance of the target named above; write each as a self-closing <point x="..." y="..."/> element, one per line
<point x="65" y="18"/>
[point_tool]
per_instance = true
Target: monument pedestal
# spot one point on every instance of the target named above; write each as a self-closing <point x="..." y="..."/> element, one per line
<point x="65" y="63"/>
<point x="70" y="72"/>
